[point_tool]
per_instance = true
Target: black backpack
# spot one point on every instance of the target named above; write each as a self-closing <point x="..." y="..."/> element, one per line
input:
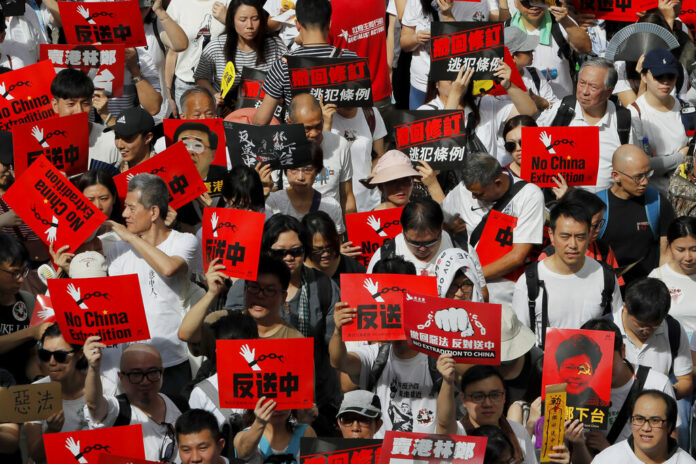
<point x="566" y="112"/>
<point x="381" y="362"/>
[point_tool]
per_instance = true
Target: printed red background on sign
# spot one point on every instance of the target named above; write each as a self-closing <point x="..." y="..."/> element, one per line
<point x="173" y="162"/>
<point x="76" y="131"/>
<point x="688" y="14"/>
<point x="354" y="291"/>
<point x="495" y="242"/>
<point x="123" y="311"/>
<point x="43" y="311"/>
<point x="111" y="14"/>
<point x="614" y="13"/>
<point x="111" y="459"/>
<point x="247" y="232"/>
<point x="215" y="125"/>
<point x="298" y="360"/>
<point x="401" y="448"/>
<point x="419" y="316"/>
<point x="465" y="42"/>
<point x="452" y="124"/>
<point x="363" y="235"/>
<point x="121" y="441"/>
<point x="584" y="151"/>
<point x="329" y="75"/>
<point x="25" y="94"/>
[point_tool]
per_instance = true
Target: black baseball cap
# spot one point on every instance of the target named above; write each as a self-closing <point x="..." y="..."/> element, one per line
<point x="133" y="121"/>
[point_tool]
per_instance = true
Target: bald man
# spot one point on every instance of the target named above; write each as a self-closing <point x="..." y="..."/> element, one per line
<point x="637" y="216"/>
<point x="141" y="380"/>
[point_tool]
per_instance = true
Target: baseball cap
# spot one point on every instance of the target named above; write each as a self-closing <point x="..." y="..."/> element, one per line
<point x="361" y="402"/>
<point x="515" y="338"/>
<point x="133" y="121"/>
<point x="87" y="264"/>
<point x="660" y="62"/>
<point x="391" y="166"/>
<point x="516" y="40"/>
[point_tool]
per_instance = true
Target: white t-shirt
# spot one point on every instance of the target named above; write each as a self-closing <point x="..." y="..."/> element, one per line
<point x="523" y="439"/>
<point x="410" y="407"/>
<point x="420" y="60"/>
<point x="102" y="147"/>
<point x="623" y="453"/>
<point x="546" y="59"/>
<point x="337" y="166"/>
<point x="73" y="411"/>
<point x="279" y="202"/>
<point x="162" y="296"/>
<point x="199" y="400"/>
<point x="682" y="289"/>
<point x="287" y="33"/>
<point x="22" y="38"/>
<point x="572" y="299"/>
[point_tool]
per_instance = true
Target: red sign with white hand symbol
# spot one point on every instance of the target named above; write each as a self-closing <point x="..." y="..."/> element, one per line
<point x="25" y="95"/>
<point x="86" y="446"/>
<point x="103" y="22"/>
<point x="371" y="229"/>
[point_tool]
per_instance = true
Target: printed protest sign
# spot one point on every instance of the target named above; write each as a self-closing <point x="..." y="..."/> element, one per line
<point x="110" y="307"/>
<point x="13" y="7"/>
<point x="103" y="22"/>
<point x="687" y="14"/>
<point x="379" y="299"/>
<point x="475" y="45"/>
<point x="570" y="151"/>
<point x="424" y="448"/>
<point x="437" y="137"/>
<point x="63" y="141"/>
<point x="111" y="459"/>
<point x="34" y="402"/>
<point x="339" y="450"/>
<point x="25" y="95"/>
<point x="282" y="146"/>
<point x="469" y="331"/>
<point x="175" y="166"/>
<point x="554" y="420"/>
<point x="85" y="446"/>
<point x="582" y="359"/>
<point x="282" y="370"/>
<point x="213" y="134"/>
<point x="234" y="236"/>
<point x="497" y="240"/>
<point x="251" y="92"/>
<point x="614" y="10"/>
<point x="104" y="64"/>
<point x="52" y="206"/>
<point x="43" y="311"/>
<point x="369" y="230"/>
<point x="492" y="87"/>
<point x="343" y="81"/>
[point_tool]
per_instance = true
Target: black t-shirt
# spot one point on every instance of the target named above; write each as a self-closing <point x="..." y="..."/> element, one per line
<point x="192" y="215"/>
<point x="13" y="318"/>
<point x="527" y="385"/>
<point x="347" y="265"/>
<point x="630" y="236"/>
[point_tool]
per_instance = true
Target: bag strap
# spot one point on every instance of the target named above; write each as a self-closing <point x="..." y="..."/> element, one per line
<point x="622" y="417"/>
<point x="378" y="366"/>
<point x="623" y="124"/>
<point x="157" y="36"/>
<point x="370" y="118"/>
<point x="533" y="287"/>
<point x="674" y="335"/>
<point x="608" y="290"/>
<point x="535" y="77"/>
<point x="564" y="50"/>
<point x="652" y="210"/>
<point x="388" y="249"/>
<point x="316" y="201"/>
<point x="212" y="393"/>
<point x="566" y="111"/>
<point x="604" y="196"/>
<point x="124" y="411"/>
<point x="635" y="105"/>
<point x="513" y="189"/>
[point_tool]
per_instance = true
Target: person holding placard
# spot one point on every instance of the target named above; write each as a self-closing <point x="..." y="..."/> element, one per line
<point x="394" y="177"/>
<point x="133" y="136"/>
<point x="360" y="415"/>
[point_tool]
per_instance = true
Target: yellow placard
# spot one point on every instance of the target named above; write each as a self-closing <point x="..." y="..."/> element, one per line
<point x="554" y="419"/>
<point x="482" y="86"/>
<point x="287" y="4"/>
<point x="228" y="78"/>
<point x="24" y="403"/>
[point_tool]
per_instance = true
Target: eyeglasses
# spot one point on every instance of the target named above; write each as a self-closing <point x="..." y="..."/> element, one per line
<point x="137" y="377"/>
<point x="279" y="253"/>
<point x="599" y="225"/>
<point x="428" y="244"/>
<point x="256" y="289"/>
<point x="194" y="144"/>
<point x="349" y="419"/>
<point x="466" y="287"/>
<point x="655" y="422"/>
<point x="319" y="252"/>
<point x="167" y="449"/>
<point x="510" y="145"/>
<point x="304" y="170"/>
<point x="495" y="396"/>
<point x="17" y="274"/>
<point x="638" y="178"/>
<point x="61" y="356"/>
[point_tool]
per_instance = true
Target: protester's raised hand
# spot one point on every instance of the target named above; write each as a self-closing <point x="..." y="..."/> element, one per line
<point x="93" y="351"/>
<point x="214" y="278"/>
<point x="561" y="455"/>
<point x="343" y="314"/>
<point x="54" y="422"/>
<point x="264" y="410"/>
<point x="446" y="366"/>
<point x="347" y="249"/>
<point x="61" y="257"/>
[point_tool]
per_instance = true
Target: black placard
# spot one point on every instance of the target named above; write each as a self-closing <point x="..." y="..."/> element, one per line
<point x="283" y="146"/>
<point x="251" y="92"/>
<point x="478" y="45"/>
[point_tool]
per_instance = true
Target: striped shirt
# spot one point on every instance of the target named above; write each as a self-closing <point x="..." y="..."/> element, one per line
<point x="213" y="60"/>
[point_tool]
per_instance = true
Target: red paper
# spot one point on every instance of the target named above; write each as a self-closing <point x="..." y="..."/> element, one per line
<point x="170" y="126"/>
<point x="496" y="241"/>
<point x="285" y="374"/>
<point x="688" y="14"/>
<point x="620" y="10"/>
<point x="575" y="155"/>
<point x="175" y="167"/>
<point x="43" y="311"/>
<point x="378" y="299"/>
<point x="515" y="77"/>
<point x="103" y="22"/>
<point x="467" y="330"/>
<point x="25" y="95"/>
<point x="110" y="307"/>
<point x="371" y="229"/>
<point x="62" y="448"/>
<point x="52" y="206"/>
<point x="235" y="236"/>
<point x="64" y="141"/>
<point x="104" y="64"/>
<point x="111" y="459"/>
<point x="424" y="448"/>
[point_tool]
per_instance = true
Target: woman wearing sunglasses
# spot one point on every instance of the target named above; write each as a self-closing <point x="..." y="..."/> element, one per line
<point x="65" y="364"/>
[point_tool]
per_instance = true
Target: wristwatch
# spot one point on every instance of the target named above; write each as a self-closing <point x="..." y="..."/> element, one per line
<point x="135" y="80"/>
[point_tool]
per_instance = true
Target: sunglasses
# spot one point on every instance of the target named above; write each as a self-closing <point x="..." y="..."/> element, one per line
<point x="280" y="253"/>
<point x="512" y="144"/>
<point x="61" y="356"/>
<point x="167" y="449"/>
<point x="428" y="244"/>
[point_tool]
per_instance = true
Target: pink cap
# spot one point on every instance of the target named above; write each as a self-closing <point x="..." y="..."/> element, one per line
<point x="391" y="166"/>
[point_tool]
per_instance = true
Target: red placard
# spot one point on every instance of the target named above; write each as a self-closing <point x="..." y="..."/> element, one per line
<point x="215" y="125"/>
<point x="281" y="369"/>
<point x="25" y="95"/>
<point x="424" y="448"/>
<point x="495" y="88"/>
<point x="687" y="15"/>
<point x="85" y="446"/>
<point x="43" y="311"/>
<point x="52" y="206"/>
<point x="614" y="10"/>
<point x="234" y="236"/>
<point x="467" y="330"/>
<point x="570" y="151"/>
<point x="175" y="166"/>
<point x="378" y="299"/>
<point x="63" y="141"/>
<point x="496" y="241"/>
<point x="111" y="459"/>
<point x="103" y="22"/>
<point x="371" y="229"/>
<point x="104" y="64"/>
<point x="110" y="307"/>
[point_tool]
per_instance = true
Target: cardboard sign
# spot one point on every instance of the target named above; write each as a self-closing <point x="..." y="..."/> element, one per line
<point x="103" y="22"/>
<point x="369" y="230"/>
<point x="104" y="64"/>
<point x="339" y="450"/>
<point x="379" y="300"/>
<point x="110" y="307"/>
<point x="34" y="402"/>
<point x="424" y="448"/>
<point x="282" y="146"/>
<point x="281" y="369"/>
<point x="251" y="92"/>
<point x="492" y="87"/>
<point x="175" y="166"/>
<point x="343" y="81"/>
<point x="477" y="45"/>
<point x="25" y="95"/>
<point x="437" y="136"/>
<point x="234" y="236"/>
<point x="228" y="78"/>
<point x="13" y="7"/>
<point x="570" y="151"/>
<point x="582" y="359"/>
<point x="469" y="331"/>
<point x="85" y="446"/>
<point x="554" y="420"/>
<point x="43" y="311"/>
<point x="614" y="10"/>
<point x="52" y="206"/>
<point x="63" y="141"/>
<point x="111" y="459"/>
<point x="214" y="125"/>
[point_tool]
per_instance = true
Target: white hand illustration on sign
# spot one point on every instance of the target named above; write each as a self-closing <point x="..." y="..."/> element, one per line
<point x="454" y="320"/>
<point x="373" y="287"/>
<point x="74" y="447"/>
<point x="375" y="223"/>
<point x="46" y="313"/>
<point x="84" y="12"/>
<point x="104" y="81"/>
<point x="52" y="230"/>
<point x="75" y="294"/>
<point x="38" y="134"/>
<point x="546" y="140"/>
<point x="214" y="223"/>
<point x="2" y="92"/>
<point x="248" y="356"/>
